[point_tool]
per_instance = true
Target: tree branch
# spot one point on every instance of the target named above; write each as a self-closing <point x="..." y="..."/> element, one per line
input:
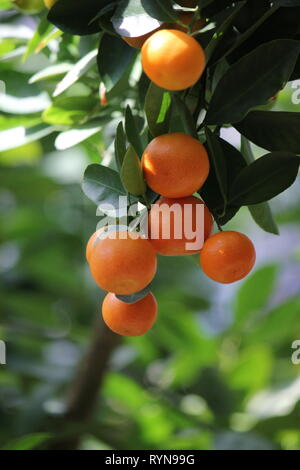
<point x="85" y="389"/>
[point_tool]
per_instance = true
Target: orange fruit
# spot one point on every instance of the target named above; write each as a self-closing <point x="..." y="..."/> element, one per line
<point x="92" y="242"/>
<point x="175" y="165"/>
<point x="227" y="256"/>
<point x="129" y="319"/>
<point x="172" y="59"/>
<point x="122" y="262"/>
<point x="175" y="223"/>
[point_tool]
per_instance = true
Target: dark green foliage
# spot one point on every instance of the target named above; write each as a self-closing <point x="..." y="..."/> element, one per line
<point x="271" y="130"/>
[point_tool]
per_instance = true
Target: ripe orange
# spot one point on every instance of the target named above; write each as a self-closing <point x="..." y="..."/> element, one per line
<point x="174" y="224"/>
<point x="172" y="59"/>
<point x="91" y="243"/>
<point x="227" y="256"/>
<point x="122" y="262"/>
<point x="129" y="319"/>
<point x="175" y="165"/>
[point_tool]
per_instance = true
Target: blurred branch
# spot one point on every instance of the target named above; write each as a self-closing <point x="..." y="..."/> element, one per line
<point x="85" y="389"/>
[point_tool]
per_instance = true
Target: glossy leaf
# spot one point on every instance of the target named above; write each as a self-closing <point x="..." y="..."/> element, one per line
<point x="17" y="136"/>
<point x="69" y="110"/>
<point x="157" y="109"/>
<point x="102" y="185"/>
<point x="74" y="136"/>
<point x="131" y="173"/>
<point x="265" y="178"/>
<point x="211" y="191"/>
<point x="42" y="31"/>
<point x="272" y="130"/>
<point x="261" y="213"/>
<point x="132" y="131"/>
<point x="114" y="58"/>
<point x="141" y="16"/>
<point x="218" y="161"/>
<point x="79" y="69"/>
<point x="76" y="17"/>
<point x="184" y="115"/>
<point x="221" y="30"/>
<point x="120" y="145"/>
<point x="244" y="85"/>
<point x="52" y="72"/>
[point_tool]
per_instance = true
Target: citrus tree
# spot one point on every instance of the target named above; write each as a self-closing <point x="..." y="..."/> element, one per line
<point x="160" y="82"/>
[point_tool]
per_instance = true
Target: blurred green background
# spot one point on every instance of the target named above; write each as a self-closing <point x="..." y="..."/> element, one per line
<point x="214" y="373"/>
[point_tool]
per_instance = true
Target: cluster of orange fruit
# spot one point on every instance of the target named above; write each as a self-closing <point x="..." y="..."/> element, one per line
<point x="175" y="166"/>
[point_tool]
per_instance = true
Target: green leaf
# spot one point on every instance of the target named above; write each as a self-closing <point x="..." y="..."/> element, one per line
<point x="11" y="121"/>
<point x="157" y="109"/>
<point x="265" y="178"/>
<point x="69" y="110"/>
<point x="18" y="97"/>
<point x="43" y="29"/>
<point x="185" y="116"/>
<point x="31" y="441"/>
<point x="114" y="58"/>
<point x="133" y="298"/>
<point x="120" y="145"/>
<point x="261" y="213"/>
<point x="218" y="161"/>
<point x="131" y="173"/>
<point x="211" y="191"/>
<point x="132" y="131"/>
<point x="72" y="137"/>
<point x="251" y="32"/>
<point x="5" y="5"/>
<point x="102" y="185"/>
<point x="252" y="80"/>
<point x="52" y="72"/>
<point x="141" y="16"/>
<point x="17" y="136"/>
<point x="252" y="369"/>
<point x="76" y="17"/>
<point x="79" y="69"/>
<point x="254" y="294"/>
<point x="272" y="130"/>
<point x="221" y="30"/>
<point x="219" y="71"/>
<point x="279" y="325"/>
